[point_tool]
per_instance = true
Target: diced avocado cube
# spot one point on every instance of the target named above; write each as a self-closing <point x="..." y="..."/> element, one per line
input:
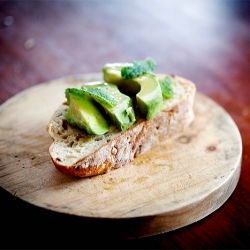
<point x="118" y="106"/>
<point x="146" y="88"/>
<point x="83" y="113"/>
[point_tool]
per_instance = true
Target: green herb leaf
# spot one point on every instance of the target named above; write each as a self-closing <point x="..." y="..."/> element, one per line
<point x="138" y="68"/>
<point x="166" y="88"/>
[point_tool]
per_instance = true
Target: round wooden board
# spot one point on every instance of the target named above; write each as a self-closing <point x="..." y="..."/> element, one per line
<point x="177" y="183"/>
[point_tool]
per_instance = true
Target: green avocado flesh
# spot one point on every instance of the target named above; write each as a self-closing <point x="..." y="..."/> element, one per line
<point x="118" y="106"/>
<point x="84" y="114"/>
<point x="146" y="88"/>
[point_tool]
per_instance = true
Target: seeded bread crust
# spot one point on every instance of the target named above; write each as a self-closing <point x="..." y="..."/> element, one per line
<point x="73" y="152"/>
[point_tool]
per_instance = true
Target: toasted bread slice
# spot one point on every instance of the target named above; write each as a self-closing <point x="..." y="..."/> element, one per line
<point x="76" y="153"/>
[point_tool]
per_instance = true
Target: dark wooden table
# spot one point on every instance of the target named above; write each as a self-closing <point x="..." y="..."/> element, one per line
<point x="207" y="42"/>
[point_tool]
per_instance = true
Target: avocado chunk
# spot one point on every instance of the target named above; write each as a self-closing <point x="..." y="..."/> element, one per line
<point x="118" y="106"/>
<point x="83" y="113"/>
<point x="146" y="88"/>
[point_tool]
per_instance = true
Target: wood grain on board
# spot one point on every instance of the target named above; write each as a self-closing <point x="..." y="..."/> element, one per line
<point x="178" y="182"/>
<point x="204" y="41"/>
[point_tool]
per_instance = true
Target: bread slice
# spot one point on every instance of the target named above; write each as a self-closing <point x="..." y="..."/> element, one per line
<point x="76" y="153"/>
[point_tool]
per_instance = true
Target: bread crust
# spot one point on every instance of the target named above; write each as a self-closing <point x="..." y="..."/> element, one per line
<point x="136" y="140"/>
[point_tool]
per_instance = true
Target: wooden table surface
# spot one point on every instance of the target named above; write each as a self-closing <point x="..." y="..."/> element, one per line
<point x="207" y="42"/>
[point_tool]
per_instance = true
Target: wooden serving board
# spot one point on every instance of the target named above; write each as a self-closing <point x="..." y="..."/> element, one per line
<point x="177" y="183"/>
